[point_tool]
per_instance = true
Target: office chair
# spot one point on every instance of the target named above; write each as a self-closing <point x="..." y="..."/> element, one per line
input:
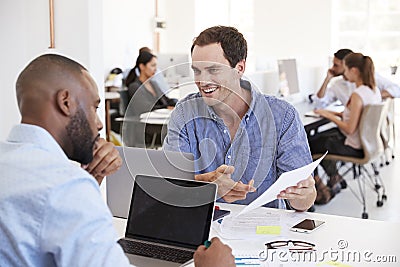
<point x="370" y="133"/>
<point x="134" y="132"/>
<point x="388" y="133"/>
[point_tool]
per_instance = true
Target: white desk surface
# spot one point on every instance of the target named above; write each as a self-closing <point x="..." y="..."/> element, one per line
<point x="306" y="107"/>
<point x="158" y="116"/>
<point x="341" y="236"/>
<point x="111" y="95"/>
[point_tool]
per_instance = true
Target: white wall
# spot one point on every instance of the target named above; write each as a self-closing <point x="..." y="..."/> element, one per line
<point x="294" y="29"/>
<point x="103" y="34"/>
<point x="128" y="26"/>
<point x="283" y="29"/>
<point x="179" y="16"/>
<point x="25" y="35"/>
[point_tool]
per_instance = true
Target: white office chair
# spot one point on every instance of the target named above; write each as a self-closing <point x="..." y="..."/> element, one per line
<point x="370" y="133"/>
<point x="388" y="133"/>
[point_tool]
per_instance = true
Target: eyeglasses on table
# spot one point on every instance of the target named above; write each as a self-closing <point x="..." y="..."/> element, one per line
<point x="296" y="245"/>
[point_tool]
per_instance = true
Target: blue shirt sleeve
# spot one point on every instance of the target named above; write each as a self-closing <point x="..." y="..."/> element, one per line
<point x="293" y="150"/>
<point x="77" y="229"/>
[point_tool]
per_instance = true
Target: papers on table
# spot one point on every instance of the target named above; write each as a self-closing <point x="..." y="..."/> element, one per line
<point x="245" y="227"/>
<point x="287" y="179"/>
<point x="257" y="224"/>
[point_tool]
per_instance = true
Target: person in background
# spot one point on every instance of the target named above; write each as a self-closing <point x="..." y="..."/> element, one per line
<point x="345" y="140"/>
<point x="241" y="139"/>
<point x="158" y="78"/>
<point x="146" y="94"/>
<point x="336" y="87"/>
<point x="51" y="211"/>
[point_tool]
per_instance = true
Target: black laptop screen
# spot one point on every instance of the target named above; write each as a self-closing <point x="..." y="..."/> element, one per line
<point x="171" y="211"/>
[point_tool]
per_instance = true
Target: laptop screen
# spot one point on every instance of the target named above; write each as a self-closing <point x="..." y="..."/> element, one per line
<point x="171" y="211"/>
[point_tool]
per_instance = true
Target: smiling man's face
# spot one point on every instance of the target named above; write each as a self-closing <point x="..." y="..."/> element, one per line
<point x="213" y="75"/>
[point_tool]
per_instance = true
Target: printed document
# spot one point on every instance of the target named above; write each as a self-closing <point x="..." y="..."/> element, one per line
<point x="287" y="179"/>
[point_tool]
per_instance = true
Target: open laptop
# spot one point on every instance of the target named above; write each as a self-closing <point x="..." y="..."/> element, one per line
<point x="168" y="218"/>
<point x="148" y="162"/>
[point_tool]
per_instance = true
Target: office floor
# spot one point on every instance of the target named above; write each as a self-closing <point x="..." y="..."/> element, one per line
<point x="346" y="204"/>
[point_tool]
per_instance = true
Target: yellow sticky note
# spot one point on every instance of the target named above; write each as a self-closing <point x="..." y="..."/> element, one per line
<point x="268" y="230"/>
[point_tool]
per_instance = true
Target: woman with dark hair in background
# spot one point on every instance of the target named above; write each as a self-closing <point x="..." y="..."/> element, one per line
<point x="345" y="139"/>
<point x="146" y="94"/>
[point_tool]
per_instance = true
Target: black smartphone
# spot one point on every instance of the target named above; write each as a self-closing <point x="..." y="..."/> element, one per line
<point x="218" y="214"/>
<point x="307" y="226"/>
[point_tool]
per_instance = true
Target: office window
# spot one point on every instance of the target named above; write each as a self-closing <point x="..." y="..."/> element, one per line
<point x="369" y="26"/>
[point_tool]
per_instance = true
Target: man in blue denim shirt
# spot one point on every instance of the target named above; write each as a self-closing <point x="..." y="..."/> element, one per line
<point x="241" y="139"/>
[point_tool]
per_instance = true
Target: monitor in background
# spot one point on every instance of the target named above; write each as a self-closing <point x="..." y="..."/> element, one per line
<point x="288" y="79"/>
<point x="181" y="63"/>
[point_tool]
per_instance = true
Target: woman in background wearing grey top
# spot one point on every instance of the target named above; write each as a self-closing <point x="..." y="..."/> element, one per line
<point x="145" y="94"/>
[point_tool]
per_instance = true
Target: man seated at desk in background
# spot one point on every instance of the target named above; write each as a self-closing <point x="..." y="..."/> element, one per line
<point x="51" y="211"/>
<point x="241" y="139"/>
<point x="337" y="87"/>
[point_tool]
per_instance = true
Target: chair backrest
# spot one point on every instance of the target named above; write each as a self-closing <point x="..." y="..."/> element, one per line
<point x="370" y="130"/>
<point x="387" y="130"/>
<point x="124" y="101"/>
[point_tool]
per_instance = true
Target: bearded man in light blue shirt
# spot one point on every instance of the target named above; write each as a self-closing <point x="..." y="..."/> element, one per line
<point x="241" y="139"/>
<point x="51" y="211"/>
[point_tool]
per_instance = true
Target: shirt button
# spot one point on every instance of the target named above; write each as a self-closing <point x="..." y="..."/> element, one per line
<point x="229" y="156"/>
<point x="225" y="131"/>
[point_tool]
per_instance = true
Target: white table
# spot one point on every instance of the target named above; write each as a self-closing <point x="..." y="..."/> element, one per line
<point x="157" y="117"/>
<point x="342" y="236"/>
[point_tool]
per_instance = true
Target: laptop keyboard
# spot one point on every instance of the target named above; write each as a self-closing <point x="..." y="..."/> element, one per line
<point x="155" y="251"/>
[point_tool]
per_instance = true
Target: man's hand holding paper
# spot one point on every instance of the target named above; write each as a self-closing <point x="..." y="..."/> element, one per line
<point x="301" y="191"/>
<point x="292" y="184"/>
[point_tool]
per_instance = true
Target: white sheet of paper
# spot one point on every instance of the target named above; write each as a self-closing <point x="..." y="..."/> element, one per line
<point x="287" y="179"/>
<point x="245" y="227"/>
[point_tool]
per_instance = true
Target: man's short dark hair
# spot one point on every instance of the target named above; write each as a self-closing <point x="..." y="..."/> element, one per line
<point x="341" y="53"/>
<point x="232" y="42"/>
<point x="44" y="67"/>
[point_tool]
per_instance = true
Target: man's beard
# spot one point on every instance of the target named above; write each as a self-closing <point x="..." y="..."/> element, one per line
<point x="81" y="138"/>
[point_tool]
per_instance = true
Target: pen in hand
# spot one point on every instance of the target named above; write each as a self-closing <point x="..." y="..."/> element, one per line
<point x="207" y="244"/>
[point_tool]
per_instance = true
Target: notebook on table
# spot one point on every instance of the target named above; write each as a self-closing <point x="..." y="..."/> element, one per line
<point x="168" y="218"/>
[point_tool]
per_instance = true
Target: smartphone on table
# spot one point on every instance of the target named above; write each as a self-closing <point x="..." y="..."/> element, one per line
<point x="307" y="226"/>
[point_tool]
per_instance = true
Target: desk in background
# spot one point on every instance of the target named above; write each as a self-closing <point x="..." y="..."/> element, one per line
<point x="156" y="124"/>
<point x="312" y="124"/>
<point x="146" y="130"/>
<point x="340" y="235"/>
